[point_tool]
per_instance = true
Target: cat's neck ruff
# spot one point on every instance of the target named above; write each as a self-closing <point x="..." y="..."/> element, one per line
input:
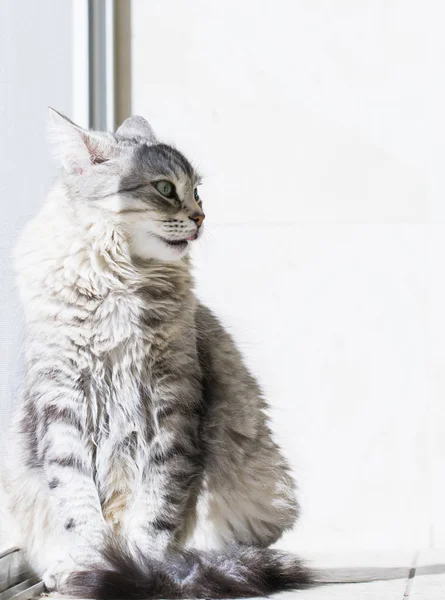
<point x="77" y="257"/>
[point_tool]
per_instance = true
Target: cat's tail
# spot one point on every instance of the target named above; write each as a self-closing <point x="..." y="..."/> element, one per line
<point x="238" y="573"/>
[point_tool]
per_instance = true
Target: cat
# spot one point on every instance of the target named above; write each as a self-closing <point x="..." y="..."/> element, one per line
<point x="140" y="462"/>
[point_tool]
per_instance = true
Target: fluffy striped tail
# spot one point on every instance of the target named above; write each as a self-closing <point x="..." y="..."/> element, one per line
<point x="239" y="573"/>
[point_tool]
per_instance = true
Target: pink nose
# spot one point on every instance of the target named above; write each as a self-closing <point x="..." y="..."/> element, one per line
<point x="198" y="218"/>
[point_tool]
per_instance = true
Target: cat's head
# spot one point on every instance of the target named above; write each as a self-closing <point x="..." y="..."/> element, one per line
<point x="147" y="189"/>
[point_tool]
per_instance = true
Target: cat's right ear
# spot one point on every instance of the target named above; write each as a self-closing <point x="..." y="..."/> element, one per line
<point x="77" y="149"/>
<point x="137" y="127"/>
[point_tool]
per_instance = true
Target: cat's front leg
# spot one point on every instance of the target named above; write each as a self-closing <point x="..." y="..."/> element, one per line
<point x="173" y="475"/>
<point x="54" y="432"/>
<point x="77" y="528"/>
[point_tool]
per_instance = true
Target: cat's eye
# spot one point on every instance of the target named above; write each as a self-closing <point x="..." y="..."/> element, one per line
<point x="165" y="188"/>
<point x="197" y="198"/>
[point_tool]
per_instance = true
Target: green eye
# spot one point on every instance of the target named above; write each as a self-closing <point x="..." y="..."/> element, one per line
<point x="196" y="194"/>
<point x="165" y="188"/>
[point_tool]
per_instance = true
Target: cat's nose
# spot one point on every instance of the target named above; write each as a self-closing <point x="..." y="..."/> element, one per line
<point x="198" y="217"/>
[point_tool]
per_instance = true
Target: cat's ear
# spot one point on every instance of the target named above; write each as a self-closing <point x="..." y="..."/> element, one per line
<point x="137" y="127"/>
<point x="75" y="148"/>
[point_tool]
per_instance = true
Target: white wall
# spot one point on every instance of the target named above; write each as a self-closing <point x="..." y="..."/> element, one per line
<point x="319" y="128"/>
<point x="36" y="71"/>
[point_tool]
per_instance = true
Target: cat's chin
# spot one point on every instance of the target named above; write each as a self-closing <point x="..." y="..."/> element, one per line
<point x="177" y="245"/>
<point x="155" y="247"/>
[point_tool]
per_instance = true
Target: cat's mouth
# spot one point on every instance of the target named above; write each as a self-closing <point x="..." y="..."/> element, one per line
<point x="178" y="244"/>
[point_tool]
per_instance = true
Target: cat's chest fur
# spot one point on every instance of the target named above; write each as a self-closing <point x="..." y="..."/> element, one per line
<point x="113" y="351"/>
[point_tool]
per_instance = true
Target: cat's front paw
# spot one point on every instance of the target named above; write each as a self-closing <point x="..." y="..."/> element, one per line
<point x="56" y="575"/>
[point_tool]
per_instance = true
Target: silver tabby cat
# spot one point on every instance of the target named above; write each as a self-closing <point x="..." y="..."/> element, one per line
<point x="140" y="462"/>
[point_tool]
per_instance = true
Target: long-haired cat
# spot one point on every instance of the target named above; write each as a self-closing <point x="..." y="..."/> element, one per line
<point x="140" y="462"/>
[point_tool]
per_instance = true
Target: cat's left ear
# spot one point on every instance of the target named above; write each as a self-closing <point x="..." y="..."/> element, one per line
<point x="77" y="149"/>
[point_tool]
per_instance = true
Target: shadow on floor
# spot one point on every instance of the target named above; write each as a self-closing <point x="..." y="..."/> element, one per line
<point x="364" y="574"/>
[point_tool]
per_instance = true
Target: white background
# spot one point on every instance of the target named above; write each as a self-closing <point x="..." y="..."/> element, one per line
<point x="319" y="128"/>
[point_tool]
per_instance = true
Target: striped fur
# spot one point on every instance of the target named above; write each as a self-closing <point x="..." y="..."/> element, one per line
<point x="140" y="433"/>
